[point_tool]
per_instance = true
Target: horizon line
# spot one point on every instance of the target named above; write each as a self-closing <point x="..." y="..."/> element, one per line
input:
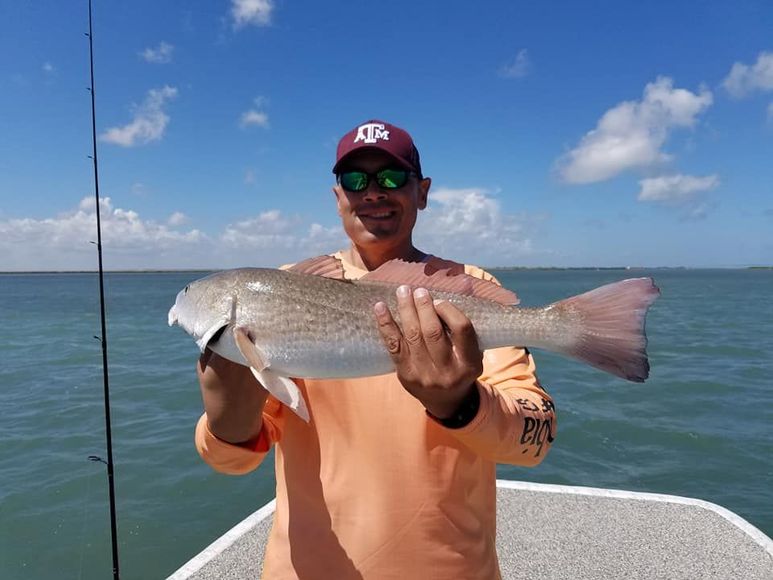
<point x="499" y="268"/>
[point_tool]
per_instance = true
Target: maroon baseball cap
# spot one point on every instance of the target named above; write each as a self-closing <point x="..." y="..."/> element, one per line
<point x="375" y="134"/>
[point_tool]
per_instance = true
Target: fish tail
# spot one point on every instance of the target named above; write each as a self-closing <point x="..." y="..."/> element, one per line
<point x="611" y="327"/>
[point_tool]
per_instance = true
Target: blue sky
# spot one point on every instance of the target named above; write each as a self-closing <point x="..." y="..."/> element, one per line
<point x="556" y="134"/>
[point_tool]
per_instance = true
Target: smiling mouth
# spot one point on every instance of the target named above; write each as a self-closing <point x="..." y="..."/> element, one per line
<point x="379" y="215"/>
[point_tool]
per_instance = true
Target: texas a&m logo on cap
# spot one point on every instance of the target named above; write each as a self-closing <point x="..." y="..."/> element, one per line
<point x="378" y="134"/>
<point x="371" y="132"/>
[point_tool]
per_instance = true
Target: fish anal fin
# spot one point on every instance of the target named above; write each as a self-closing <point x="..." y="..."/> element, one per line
<point x="284" y="390"/>
<point x="440" y="275"/>
<point x="325" y="266"/>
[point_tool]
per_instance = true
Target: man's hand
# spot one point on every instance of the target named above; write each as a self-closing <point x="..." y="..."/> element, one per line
<point x="436" y="353"/>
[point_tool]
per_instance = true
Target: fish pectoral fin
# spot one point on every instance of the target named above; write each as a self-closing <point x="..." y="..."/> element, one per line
<point x="248" y="349"/>
<point x="284" y="389"/>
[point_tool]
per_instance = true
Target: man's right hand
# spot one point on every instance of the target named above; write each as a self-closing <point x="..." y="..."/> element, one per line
<point x="233" y="398"/>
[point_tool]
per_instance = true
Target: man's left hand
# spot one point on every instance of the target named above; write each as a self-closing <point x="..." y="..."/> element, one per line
<point x="436" y="353"/>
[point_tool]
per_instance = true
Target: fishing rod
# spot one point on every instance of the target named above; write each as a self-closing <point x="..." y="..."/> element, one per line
<point x="103" y="338"/>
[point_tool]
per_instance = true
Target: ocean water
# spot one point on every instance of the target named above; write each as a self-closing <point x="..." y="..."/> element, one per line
<point x="702" y="426"/>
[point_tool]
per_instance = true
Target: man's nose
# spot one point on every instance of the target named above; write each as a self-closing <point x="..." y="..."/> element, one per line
<point x="374" y="192"/>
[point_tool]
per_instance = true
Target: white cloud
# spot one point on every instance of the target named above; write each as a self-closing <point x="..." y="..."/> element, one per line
<point x="519" y="67"/>
<point x="468" y="225"/>
<point x="177" y="219"/>
<point x="131" y="242"/>
<point x="282" y="235"/>
<point x="675" y="188"/>
<point x="631" y="134"/>
<point x="48" y="68"/>
<point x="256" y="116"/>
<point x="149" y="123"/>
<point x="462" y="224"/>
<point x="249" y="177"/>
<point x="62" y="242"/>
<point x="744" y="79"/>
<point x="162" y="54"/>
<point x="697" y="209"/>
<point x="256" y="12"/>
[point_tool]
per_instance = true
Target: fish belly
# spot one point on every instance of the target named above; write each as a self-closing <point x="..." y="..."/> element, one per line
<point x="301" y="356"/>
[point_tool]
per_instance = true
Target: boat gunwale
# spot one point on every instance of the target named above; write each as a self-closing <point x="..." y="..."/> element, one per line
<point x="231" y="536"/>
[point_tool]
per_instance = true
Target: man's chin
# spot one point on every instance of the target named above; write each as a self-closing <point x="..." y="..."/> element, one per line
<point x="378" y="229"/>
<point x="374" y="235"/>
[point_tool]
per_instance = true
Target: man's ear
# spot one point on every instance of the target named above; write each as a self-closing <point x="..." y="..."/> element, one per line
<point x="338" y="193"/>
<point x="424" y="186"/>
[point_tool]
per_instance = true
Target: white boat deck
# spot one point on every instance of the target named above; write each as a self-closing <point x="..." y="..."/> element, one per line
<point x="554" y="532"/>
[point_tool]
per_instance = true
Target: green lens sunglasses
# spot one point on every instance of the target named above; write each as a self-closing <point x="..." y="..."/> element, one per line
<point x="386" y="178"/>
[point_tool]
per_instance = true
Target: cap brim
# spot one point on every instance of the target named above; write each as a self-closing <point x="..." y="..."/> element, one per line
<point x="402" y="162"/>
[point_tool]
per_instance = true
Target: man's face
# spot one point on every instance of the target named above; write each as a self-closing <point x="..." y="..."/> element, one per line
<point x="377" y="215"/>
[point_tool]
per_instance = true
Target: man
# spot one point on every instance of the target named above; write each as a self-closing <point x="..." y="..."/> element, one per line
<point x="394" y="476"/>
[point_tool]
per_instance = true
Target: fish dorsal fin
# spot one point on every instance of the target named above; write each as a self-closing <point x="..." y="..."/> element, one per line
<point x="442" y="276"/>
<point x="325" y="266"/>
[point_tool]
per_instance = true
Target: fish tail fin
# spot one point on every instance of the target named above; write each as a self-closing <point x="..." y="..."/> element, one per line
<point x="611" y="333"/>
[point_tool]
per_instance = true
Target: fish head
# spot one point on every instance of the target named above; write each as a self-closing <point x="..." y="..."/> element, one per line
<point x="204" y="308"/>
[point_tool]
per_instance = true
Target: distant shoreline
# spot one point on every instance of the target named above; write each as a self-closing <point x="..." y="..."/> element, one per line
<point x="31" y="272"/>
<point x="497" y="268"/>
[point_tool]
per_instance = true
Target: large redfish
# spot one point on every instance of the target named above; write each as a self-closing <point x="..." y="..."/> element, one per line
<point x="308" y="322"/>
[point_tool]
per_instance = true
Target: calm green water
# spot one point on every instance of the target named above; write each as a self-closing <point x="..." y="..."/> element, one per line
<point x="702" y="426"/>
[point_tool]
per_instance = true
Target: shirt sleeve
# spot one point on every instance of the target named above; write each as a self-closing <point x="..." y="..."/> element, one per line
<point x="233" y="459"/>
<point x="516" y="419"/>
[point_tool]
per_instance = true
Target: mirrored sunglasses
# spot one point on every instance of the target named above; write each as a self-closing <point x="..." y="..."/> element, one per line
<point x="386" y="178"/>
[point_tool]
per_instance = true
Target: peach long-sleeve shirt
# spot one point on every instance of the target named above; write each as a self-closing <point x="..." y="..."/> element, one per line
<point x="372" y="487"/>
